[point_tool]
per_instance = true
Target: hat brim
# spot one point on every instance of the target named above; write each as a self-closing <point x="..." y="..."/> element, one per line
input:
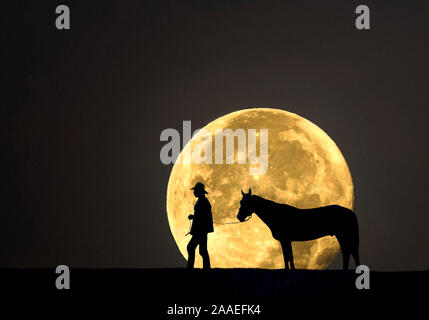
<point x="200" y="189"/>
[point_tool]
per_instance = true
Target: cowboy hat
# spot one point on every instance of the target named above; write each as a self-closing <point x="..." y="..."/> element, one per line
<point x="199" y="187"/>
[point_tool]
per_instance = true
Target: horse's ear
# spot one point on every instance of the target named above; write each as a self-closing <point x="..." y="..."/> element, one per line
<point x="250" y="191"/>
<point x="242" y="193"/>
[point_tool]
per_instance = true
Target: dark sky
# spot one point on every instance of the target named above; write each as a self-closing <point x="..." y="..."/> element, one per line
<point x="81" y="112"/>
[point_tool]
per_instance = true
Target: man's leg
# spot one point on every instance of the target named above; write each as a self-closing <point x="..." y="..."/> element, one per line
<point x="192" y="245"/>
<point x="204" y="252"/>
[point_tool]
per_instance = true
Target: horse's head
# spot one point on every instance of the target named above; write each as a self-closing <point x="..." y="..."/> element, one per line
<point x="245" y="208"/>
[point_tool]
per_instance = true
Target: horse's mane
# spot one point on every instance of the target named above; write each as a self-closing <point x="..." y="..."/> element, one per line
<point x="270" y="203"/>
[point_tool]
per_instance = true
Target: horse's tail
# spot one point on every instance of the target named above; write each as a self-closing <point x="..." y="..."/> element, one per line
<point x="354" y="228"/>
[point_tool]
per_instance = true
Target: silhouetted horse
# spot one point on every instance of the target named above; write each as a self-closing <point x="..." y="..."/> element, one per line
<point x="288" y="224"/>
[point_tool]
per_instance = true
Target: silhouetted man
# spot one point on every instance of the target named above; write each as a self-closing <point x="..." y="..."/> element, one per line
<point x="201" y="226"/>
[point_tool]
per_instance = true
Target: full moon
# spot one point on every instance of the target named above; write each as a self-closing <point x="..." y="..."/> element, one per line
<point x="305" y="169"/>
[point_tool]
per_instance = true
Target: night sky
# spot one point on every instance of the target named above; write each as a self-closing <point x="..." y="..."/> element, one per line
<point x="82" y="110"/>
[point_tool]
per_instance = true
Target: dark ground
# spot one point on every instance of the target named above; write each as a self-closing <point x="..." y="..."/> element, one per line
<point x="152" y="291"/>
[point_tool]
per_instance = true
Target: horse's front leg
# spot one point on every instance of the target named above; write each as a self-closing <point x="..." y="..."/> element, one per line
<point x="287" y="254"/>
<point x="292" y="266"/>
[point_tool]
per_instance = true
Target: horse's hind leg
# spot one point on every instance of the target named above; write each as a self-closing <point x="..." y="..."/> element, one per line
<point x="355" y="254"/>
<point x="346" y="258"/>
<point x="345" y="250"/>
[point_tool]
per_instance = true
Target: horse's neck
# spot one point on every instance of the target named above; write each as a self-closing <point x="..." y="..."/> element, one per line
<point x="266" y="209"/>
<point x="261" y="208"/>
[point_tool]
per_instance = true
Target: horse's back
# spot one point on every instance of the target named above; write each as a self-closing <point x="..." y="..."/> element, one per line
<point x="331" y="216"/>
<point x="308" y="224"/>
<point x="331" y="211"/>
